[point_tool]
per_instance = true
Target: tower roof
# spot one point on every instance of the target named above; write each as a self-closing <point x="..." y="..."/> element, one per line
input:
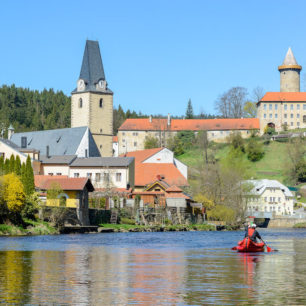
<point x="92" y="68"/>
<point x="290" y="61"/>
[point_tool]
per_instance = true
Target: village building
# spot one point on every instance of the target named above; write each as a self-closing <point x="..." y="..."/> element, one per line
<point x="92" y="100"/>
<point x="285" y="109"/>
<point x="115" y="146"/>
<point x="269" y="196"/>
<point x="158" y="164"/>
<point x="133" y="132"/>
<point x="74" y="193"/>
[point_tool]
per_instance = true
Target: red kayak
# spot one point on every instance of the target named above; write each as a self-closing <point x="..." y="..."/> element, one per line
<point x="247" y="245"/>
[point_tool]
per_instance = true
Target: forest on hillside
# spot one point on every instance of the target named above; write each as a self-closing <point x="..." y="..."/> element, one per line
<point x="32" y="110"/>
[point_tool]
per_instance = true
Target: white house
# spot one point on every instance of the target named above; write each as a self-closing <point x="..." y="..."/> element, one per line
<point x="270" y="196"/>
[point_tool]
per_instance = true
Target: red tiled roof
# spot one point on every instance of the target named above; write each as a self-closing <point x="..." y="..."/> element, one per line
<point x="142" y="155"/>
<point x="174" y="195"/>
<point x="115" y="138"/>
<point x="45" y="182"/>
<point x="284" y="96"/>
<point x="147" y="173"/>
<point x="174" y="189"/>
<point x="144" y="124"/>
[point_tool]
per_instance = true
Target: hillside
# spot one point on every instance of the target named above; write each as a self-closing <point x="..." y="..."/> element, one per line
<point x="272" y="166"/>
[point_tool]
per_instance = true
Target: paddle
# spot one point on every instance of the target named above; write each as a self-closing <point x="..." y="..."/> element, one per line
<point x="268" y="248"/>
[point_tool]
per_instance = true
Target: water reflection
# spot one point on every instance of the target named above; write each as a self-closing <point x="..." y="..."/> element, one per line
<point x="99" y="274"/>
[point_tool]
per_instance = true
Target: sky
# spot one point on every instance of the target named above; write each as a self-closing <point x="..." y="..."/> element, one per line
<point x="156" y="54"/>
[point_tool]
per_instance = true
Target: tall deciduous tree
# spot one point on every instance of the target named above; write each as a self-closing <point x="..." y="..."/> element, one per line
<point x="250" y="109"/>
<point x="189" y="110"/>
<point x="230" y="104"/>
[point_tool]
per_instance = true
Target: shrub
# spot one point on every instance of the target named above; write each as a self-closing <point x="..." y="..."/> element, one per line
<point x="32" y="203"/>
<point x="151" y="142"/>
<point x="236" y="141"/>
<point x="221" y="213"/>
<point x="255" y="151"/>
<point x="127" y="221"/>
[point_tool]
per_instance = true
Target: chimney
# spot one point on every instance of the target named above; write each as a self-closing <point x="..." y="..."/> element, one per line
<point x="169" y="120"/>
<point x="10" y="132"/>
<point x="150" y="119"/>
<point x="47" y="152"/>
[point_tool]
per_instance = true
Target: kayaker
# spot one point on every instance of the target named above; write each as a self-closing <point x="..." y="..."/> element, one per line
<point x="252" y="233"/>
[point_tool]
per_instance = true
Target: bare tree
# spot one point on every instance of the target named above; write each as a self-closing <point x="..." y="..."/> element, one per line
<point x="230" y="104"/>
<point x="257" y="94"/>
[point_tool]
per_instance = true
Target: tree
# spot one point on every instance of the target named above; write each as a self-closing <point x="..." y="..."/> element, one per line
<point x="236" y="141"/>
<point x="151" y="142"/>
<point x="1" y="164"/>
<point x="29" y="186"/>
<point x="12" y="164"/>
<point x="250" y="109"/>
<point x="257" y="94"/>
<point x="189" y="110"/>
<point x="230" y="104"/>
<point x="255" y="150"/>
<point x="6" y="167"/>
<point x="14" y="195"/>
<point x="203" y="142"/>
<point x="17" y="169"/>
<point x="175" y="144"/>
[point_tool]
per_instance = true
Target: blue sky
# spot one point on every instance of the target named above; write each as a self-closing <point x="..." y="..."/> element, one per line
<point x="156" y="54"/>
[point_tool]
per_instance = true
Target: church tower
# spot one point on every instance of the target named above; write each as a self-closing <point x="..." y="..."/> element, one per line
<point x="290" y="74"/>
<point x="92" y="100"/>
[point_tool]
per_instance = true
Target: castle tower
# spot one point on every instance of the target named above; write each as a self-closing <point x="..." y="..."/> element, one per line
<point x="92" y="100"/>
<point x="290" y="74"/>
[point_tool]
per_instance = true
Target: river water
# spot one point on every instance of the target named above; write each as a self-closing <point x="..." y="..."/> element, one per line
<point x="172" y="268"/>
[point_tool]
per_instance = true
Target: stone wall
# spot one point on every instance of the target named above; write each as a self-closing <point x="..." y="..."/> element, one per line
<point x="284" y="222"/>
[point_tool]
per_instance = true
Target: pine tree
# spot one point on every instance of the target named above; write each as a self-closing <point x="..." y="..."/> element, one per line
<point x="12" y="163"/>
<point x="1" y="165"/>
<point x="23" y="174"/>
<point x="189" y="110"/>
<point x="18" y="165"/>
<point x="6" y="168"/>
<point x="29" y="186"/>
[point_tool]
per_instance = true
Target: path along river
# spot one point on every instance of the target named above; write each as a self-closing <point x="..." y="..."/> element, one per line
<point x="173" y="268"/>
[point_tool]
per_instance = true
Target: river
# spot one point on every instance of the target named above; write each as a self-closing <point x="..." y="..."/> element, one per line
<point x="171" y="268"/>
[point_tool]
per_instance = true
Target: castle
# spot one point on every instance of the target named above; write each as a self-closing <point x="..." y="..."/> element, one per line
<point x="285" y="109"/>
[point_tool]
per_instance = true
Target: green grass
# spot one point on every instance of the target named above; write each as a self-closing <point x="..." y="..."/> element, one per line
<point x="271" y="166"/>
<point x="300" y="225"/>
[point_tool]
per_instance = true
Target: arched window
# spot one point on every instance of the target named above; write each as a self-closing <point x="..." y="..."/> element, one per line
<point x="101" y="103"/>
<point x="80" y="103"/>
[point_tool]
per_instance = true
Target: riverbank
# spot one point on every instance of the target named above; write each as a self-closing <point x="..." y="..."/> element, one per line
<point x="30" y="227"/>
<point x="124" y="228"/>
<point x="300" y="225"/>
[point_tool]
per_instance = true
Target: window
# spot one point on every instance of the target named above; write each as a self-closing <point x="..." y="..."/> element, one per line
<point x="123" y="133"/>
<point x="23" y="142"/>
<point x="118" y="177"/>
<point x="275" y="106"/>
<point x="135" y="134"/>
<point x="298" y="124"/>
<point x="304" y="118"/>
<point x="297" y="115"/>
<point x="285" y="116"/>
<point x="50" y="173"/>
<point x="304" y="106"/>
<point x="279" y="199"/>
<point x="77" y="175"/>
<point x="89" y="175"/>
<point x="58" y="173"/>
<point x="291" y="107"/>
<point x="265" y="115"/>
<point x="80" y="103"/>
<point x="270" y="199"/>
<point x="291" y="123"/>
<point x="270" y="116"/>
<point x="298" y="106"/>
<point x="285" y="106"/>
<point x="98" y="177"/>
<point x="270" y="106"/>
<point x="123" y="140"/>
<point x="291" y="115"/>
<point x="106" y="177"/>
<point x="101" y="103"/>
<point x="101" y="130"/>
<point x="86" y="153"/>
<point x="275" y="116"/>
<point x="265" y="106"/>
<point x="285" y="123"/>
<point x="135" y="143"/>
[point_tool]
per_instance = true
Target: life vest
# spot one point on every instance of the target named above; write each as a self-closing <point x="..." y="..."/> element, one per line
<point x="251" y="233"/>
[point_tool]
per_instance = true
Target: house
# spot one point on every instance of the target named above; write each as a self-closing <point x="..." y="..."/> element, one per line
<point x="70" y="141"/>
<point x="74" y="193"/>
<point x="160" y="194"/>
<point x="133" y="132"/>
<point x="269" y="196"/>
<point x="158" y="164"/>
<point x="8" y="148"/>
